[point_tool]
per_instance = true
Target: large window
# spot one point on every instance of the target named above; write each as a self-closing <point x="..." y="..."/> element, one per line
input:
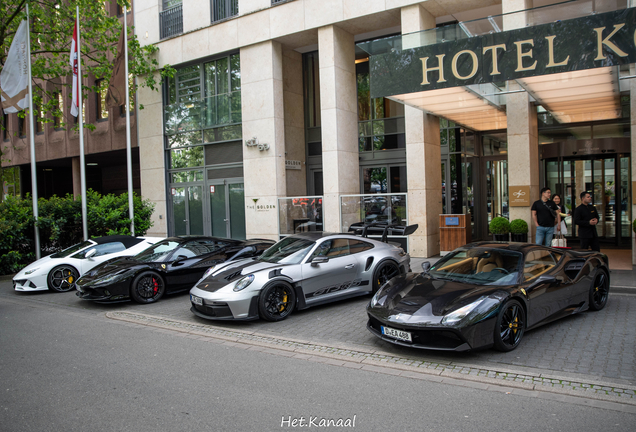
<point x="380" y="120"/>
<point x="222" y="9"/>
<point x="171" y="18"/>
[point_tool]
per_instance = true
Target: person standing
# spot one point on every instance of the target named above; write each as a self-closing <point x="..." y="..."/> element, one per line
<point x="545" y="215"/>
<point x="586" y="217"/>
<point x="556" y="198"/>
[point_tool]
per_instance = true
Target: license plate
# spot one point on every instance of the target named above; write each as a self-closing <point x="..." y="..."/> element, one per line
<point x="397" y="334"/>
<point x="196" y="300"/>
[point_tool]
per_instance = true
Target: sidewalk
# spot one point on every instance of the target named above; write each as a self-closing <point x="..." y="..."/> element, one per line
<point x="621" y="281"/>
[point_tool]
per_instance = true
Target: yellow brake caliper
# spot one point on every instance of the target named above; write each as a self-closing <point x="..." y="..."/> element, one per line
<point x="282" y="307"/>
<point x="514" y="326"/>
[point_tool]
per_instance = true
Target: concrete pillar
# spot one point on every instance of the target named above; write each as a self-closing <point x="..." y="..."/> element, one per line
<point x="263" y="119"/>
<point x="294" y="121"/>
<point x="77" y="181"/>
<point x="339" y="112"/>
<point x="423" y="157"/>
<point x="152" y="168"/>
<point x="523" y="136"/>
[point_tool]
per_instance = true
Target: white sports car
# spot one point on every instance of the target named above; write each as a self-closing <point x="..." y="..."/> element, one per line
<point x="58" y="272"/>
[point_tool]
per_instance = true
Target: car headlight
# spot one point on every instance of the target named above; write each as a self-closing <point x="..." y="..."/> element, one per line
<point x="379" y="298"/>
<point x="244" y="282"/>
<point x="461" y="313"/>
<point x="208" y="272"/>
<point x="31" y="271"/>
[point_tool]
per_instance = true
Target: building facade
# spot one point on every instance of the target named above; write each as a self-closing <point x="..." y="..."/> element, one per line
<point x="57" y="144"/>
<point x="274" y="123"/>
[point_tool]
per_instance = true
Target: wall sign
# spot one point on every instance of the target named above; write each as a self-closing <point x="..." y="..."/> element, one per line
<point x="451" y="221"/>
<point x="212" y="188"/>
<point x="601" y="40"/>
<point x="293" y="164"/>
<point x="519" y="196"/>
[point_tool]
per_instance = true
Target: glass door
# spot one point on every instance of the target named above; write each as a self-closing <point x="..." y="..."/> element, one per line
<point x="187" y="210"/>
<point x="608" y="180"/>
<point x="227" y="208"/>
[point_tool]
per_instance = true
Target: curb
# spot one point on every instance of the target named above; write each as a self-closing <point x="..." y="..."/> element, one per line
<point x="614" y="396"/>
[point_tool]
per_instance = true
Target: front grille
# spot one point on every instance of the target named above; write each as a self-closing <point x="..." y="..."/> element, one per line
<point x="432" y="338"/>
<point x="217" y="311"/>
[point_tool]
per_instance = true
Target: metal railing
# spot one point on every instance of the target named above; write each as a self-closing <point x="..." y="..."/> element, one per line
<point x="171" y="21"/>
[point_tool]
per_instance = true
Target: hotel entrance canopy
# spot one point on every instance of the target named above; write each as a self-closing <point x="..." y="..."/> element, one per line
<point x="571" y="58"/>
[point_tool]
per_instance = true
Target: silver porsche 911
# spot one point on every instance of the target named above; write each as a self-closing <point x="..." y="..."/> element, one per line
<point x="298" y="272"/>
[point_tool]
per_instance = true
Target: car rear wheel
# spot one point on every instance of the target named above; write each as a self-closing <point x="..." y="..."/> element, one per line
<point x="511" y="324"/>
<point x="385" y="272"/>
<point x="277" y="301"/>
<point x="599" y="291"/>
<point x="148" y="287"/>
<point x="62" y="278"/>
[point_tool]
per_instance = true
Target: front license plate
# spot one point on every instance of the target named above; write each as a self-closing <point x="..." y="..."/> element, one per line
<point x="397" y="334"/>
<point x="196" y="300"/>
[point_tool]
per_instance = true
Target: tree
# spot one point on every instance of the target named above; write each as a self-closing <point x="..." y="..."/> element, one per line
<point x="52" y="24"/>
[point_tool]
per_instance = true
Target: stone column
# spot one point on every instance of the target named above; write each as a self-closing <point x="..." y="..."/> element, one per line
<point x="339" y="111"/>
<point x="152" y="168"/>
<point x="523" y="136"/>
<point x="294" y="121"/>
<point x="263" y="119"/>
<point x="77" y="181"/>
<point x="423" y="157"/>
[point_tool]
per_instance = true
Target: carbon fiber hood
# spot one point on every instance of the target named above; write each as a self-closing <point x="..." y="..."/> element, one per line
<point x="418" y="295"/>
<point x="235" y="271"/>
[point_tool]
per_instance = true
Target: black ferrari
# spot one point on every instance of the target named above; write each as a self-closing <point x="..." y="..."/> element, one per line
<point x="172" y="265"/>
<point x="488" y="294"/>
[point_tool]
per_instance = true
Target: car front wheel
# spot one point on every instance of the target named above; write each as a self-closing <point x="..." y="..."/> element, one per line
<point x="277" y="301"/>
<point x="510" y="326"/>
<point x="62" y="278"/>
<point x="148" y="287"/>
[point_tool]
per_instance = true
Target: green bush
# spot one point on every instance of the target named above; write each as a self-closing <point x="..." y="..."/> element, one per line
<point x="60" y="224"/>
<point x="519" y="226"/>
<point x="634" y="225"/>
<point x="499" y="225"/>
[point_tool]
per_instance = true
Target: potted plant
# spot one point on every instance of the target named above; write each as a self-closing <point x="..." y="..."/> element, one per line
<point x="500" y="227"/>
<point x="519" y="230"/>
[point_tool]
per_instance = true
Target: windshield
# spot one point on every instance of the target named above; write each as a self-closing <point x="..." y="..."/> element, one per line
<point x="289" y="250"/>
<point x="483" y="266"/>
<point x="158" y="252"/>
<point x="72" y="249"/>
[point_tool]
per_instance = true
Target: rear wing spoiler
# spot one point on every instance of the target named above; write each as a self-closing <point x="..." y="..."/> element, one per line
<point x="382" y="228"/>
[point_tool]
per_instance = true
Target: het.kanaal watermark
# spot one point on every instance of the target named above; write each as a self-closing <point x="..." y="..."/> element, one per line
<point x="316" y="421"/>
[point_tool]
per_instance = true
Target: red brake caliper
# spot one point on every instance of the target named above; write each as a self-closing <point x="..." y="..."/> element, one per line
<point x="156" y="287"/>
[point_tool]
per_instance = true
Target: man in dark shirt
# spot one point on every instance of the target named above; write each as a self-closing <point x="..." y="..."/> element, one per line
<point x="545" y="215"/>
<point x="586" y="217"/>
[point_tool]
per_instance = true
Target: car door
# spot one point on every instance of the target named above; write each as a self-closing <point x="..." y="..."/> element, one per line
<point x="185" y="267"/>
<point x="326" y="280"/>
<point x="546" y="299"/>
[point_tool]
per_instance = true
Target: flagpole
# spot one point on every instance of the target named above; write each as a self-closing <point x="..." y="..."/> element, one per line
<point x="34" y="180"/>
<point x="131" y="210"/>
<point x="80" y="118"/>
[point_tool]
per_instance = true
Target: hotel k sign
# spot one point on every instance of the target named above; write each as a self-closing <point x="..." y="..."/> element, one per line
<point x="601" y="40"/>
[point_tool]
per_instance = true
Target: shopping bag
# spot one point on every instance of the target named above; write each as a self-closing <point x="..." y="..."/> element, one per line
<point x="559" y="241"/>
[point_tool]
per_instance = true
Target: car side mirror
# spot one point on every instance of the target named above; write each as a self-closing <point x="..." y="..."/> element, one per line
<point x="426" y="266"/>
<point x="177" y="262"/>
<point x="91" y="253"/>
<point x="319" y="260"/>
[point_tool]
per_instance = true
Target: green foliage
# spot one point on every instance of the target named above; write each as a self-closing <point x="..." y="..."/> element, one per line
<point x="60" y="224"/>
<point x="634" y="225"/>
<point x="519" y="226"/>
<point x="499" y="225"/>
<point x="51" y="29"/>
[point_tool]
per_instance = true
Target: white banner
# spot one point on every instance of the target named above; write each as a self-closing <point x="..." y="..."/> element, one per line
<point x="73" y="62"/>
<point x="14" y="78"/>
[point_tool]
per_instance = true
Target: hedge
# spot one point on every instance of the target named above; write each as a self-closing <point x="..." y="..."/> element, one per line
<point x="60" y="224"/>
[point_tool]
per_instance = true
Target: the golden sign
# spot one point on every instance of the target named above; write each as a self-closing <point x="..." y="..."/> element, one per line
<point x="519" y="196"/>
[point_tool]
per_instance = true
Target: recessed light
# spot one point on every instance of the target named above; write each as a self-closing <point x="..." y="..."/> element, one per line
<point x="92" y="164"/>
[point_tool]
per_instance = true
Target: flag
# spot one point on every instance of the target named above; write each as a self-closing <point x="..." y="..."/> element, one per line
<point x="14" y="78"/>
<point x="116" y="95"/>
<point x="73" y="62"/>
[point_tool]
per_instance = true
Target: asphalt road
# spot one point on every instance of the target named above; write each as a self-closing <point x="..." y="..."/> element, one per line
<point x="73" y="369"/>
